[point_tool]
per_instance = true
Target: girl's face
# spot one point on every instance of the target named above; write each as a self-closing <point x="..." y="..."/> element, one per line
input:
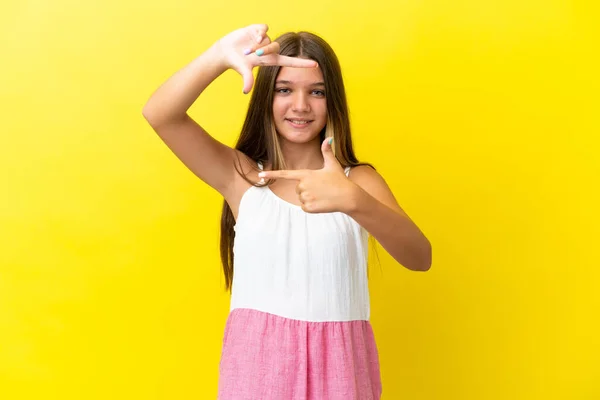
<point x="299" y="104"/>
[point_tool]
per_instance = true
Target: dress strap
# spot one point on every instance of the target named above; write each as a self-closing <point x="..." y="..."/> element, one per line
<point x="260" y="167"/>
<point x="347" y="171"/>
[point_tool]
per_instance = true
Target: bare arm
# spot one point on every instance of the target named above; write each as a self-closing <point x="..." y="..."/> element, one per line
<point x="166" y="112"/>
<point x="375" y="208"/>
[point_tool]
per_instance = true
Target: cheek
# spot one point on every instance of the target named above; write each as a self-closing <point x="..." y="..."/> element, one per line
<point x="321" y="109"/>
<point x="279" y="107"/>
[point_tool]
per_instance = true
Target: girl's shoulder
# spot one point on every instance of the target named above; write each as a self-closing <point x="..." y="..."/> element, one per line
<point x="364" y="174"/>
<point x="371" y="181"/>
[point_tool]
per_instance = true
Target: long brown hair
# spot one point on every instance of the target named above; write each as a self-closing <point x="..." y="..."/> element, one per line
<point x="259" y="140"/>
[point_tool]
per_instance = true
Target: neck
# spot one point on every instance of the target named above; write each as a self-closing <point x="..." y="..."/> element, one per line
<point x="302" y="155"/>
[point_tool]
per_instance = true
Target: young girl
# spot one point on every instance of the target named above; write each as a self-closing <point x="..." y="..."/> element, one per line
<point x="296" y="218"/>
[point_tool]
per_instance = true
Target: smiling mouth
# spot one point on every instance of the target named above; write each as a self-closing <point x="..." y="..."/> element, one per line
<point x="298" y="122"/>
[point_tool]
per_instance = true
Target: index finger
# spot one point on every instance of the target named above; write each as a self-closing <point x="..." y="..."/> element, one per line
<point x="259" y="31"/>
<point x="286" y="61"/>
<point x="283" y="174"/>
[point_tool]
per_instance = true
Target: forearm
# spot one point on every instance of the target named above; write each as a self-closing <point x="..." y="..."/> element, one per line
<point x="398" y="235"/>
<point x="175" y="96"/>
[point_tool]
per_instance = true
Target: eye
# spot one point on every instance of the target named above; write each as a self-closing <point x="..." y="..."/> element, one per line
<point x="282" y="90"/>
<point x="319" y="93"/>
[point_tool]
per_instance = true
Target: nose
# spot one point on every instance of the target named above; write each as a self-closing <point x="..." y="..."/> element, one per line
<point x="300" y="103"/>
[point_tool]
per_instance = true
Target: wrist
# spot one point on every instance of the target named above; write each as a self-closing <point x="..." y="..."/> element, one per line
<point x="355" y="198"/>
<point x="217" y="56"/>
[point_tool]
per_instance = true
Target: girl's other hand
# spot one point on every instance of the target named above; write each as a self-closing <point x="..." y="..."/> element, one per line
<point x="323" y="190"/>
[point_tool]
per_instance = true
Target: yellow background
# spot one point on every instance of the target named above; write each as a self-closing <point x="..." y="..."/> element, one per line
<point x="481" y="115"/>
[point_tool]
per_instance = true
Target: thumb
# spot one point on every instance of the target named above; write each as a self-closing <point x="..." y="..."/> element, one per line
<point x="329" y="159"/>
<point x="248" y="78"/>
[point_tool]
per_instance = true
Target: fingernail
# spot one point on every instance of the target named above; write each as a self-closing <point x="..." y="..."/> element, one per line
<point x="261" y="175"/>
<point x="330" y="140"/>
<point x="260" y="52"/>
<point x="247" y="51"/>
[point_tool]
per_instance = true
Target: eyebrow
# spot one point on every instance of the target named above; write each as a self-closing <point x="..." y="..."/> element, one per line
<point x="291" y="83"/>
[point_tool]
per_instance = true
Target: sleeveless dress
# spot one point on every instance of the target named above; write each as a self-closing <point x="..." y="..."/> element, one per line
<point x="298" y="327"/>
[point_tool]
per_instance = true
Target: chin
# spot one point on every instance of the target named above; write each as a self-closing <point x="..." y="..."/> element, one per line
<point x="300" y="136"/>
<point x="297" y="138"/>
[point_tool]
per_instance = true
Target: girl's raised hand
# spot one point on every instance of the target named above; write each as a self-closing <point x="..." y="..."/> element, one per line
<point x="249" y="47"/>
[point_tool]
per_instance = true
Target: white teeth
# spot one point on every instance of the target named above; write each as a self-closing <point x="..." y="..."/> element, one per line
<point x="297" y="122"/>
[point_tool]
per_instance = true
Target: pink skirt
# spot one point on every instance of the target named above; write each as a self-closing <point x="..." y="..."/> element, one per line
<point x="268" y="357"/>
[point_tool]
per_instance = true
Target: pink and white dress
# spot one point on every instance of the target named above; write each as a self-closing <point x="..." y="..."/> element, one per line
<point x="299" y="322"/>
